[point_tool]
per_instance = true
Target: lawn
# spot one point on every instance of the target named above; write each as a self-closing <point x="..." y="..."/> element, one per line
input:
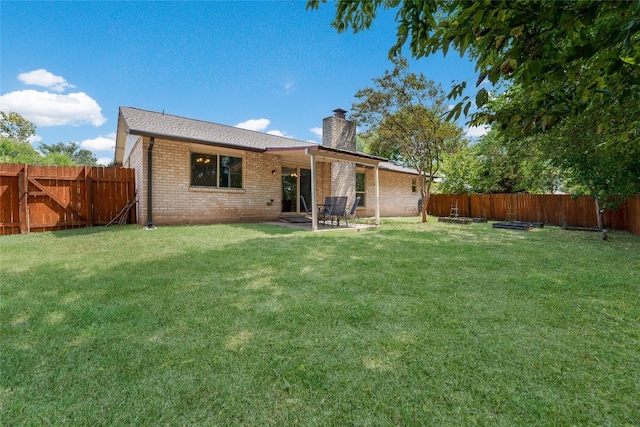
<point x="409" y="324"/>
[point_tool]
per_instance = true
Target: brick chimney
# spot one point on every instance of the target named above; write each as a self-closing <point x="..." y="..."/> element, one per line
<point x="340" y="113"/>
<point x="340" y="133"/>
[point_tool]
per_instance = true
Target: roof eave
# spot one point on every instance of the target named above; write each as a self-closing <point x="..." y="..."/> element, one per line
<point x="194" y="140"/>
<point x="343" y="155"/>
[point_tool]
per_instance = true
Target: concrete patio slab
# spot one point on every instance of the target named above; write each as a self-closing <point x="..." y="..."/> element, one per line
<point x="306" y="226"/>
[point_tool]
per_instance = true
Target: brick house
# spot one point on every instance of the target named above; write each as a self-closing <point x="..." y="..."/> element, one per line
<point x="193" y="172"/>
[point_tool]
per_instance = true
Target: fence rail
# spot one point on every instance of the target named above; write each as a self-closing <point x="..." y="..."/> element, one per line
<point x="552" y="209"/>
<point x="45" y="198"/>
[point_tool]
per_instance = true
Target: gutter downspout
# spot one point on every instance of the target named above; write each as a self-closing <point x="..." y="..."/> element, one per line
<point x="150" y="225"/>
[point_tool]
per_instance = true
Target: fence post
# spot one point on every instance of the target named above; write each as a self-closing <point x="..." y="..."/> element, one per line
<point x="23" y="193"/>
<point x="88" y="196"/>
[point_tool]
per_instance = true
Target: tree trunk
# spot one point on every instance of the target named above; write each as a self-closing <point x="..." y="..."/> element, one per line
<point x="599" y="214"/>
<point x="425" y="203"/>
<point x="426" y="194"/>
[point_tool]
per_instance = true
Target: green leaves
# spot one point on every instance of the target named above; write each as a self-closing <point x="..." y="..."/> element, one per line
<point x="71" y="151"/>
<point x="481" y="97"/>
<point x="571" y="49"/>
<point x="404" y="113"/>
<point x="15" y="132"/>
<point x="496" y="164"/>
<point x="508" y="66"/>
<point x="12" y="151"/>
<point x="16" y="127"/>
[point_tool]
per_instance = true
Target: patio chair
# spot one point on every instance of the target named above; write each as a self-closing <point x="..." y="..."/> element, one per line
<point x="303" y="203"/>
<point x="352" y="212"/>
<point x="338" y="209"/>
<point x="325" y="209"/>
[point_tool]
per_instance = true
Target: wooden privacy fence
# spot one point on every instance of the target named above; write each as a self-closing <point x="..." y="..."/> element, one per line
<point x="44" y="198"/>
<point x="552" y="209"/>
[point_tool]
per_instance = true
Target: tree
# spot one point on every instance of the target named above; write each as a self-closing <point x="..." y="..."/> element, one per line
<point x="15" y="132"/>
<point x="599" y="152"/>
<point x="71" y="150"/>
<point x="498" y="164"/>
<point x="16" y="127"/>
<point x="12" y="151"/>
<point x="57" y="159"/>
<point x="405" y="112"/>
<point x="460" y="171"/>
<point x="596" y="151"/>
<point x="568" y="54"/>
<point x="372" y="144"/>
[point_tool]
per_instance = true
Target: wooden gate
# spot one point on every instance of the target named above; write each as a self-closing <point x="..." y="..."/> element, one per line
<point x="45" y="198"/>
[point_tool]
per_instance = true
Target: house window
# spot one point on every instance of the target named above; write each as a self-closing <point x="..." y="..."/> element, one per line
<point x="204" y="170"/>
<point x="414" y="185"/>
<point x="211" y="170"/>
<point x="230" y="172"/>
<point x="360" y="186"/>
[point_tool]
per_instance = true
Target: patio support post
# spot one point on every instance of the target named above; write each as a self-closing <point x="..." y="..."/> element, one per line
<point x="377" y="180"/>
<point x="314" y="200"/>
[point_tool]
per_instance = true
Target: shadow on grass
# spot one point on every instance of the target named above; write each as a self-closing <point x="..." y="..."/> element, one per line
<point x="316" y="328"/>
<point x="204" y="335"/>
<point x="92" y="231"/>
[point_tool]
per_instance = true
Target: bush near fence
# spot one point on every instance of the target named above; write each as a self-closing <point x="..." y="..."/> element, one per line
<point x="551" y="209"/>
<point x="45" y="198"/>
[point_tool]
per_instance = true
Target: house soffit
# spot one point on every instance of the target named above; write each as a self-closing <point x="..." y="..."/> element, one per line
<point x="323" y="154"/>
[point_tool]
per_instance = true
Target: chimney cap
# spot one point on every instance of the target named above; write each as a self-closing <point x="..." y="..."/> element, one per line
<point x="339" y="112"/>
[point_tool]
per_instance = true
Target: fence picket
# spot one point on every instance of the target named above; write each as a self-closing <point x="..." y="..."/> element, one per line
<point x="99" y="194"/>
<point x="44" y="198"/>
<point x="551" y="209"/>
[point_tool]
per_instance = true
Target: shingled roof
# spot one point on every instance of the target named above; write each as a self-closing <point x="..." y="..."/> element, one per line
<point x="150" y="123"/>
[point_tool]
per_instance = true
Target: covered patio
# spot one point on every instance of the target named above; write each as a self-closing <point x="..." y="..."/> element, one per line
<point x="313" y="157"/>
<point x="307" y="226"/>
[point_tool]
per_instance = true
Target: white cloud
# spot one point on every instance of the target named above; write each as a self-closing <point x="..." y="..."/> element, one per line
<point x="46" y="79"/>
<point x="51" y="109"/>
<point x="289" y="87"/>
<point x="34" y="139"/>
<point x="254" y="124"/>
<point x="100" y="143"/>
<point x="317" y="131"/>
<point x="476" y="131"/>
<point x="260" y="125"/>
<point x="105" y="161"/>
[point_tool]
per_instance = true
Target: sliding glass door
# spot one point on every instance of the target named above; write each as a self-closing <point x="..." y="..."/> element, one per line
<point x="305" y="188"/>
<point x="296" y="183"/>
<point x="289" y="189"/>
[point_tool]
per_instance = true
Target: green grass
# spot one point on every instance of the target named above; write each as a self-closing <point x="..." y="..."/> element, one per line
<point x="410" y="324"/>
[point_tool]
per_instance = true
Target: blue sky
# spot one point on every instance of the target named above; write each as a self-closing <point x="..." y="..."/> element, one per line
<point x="271" y="66"/>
